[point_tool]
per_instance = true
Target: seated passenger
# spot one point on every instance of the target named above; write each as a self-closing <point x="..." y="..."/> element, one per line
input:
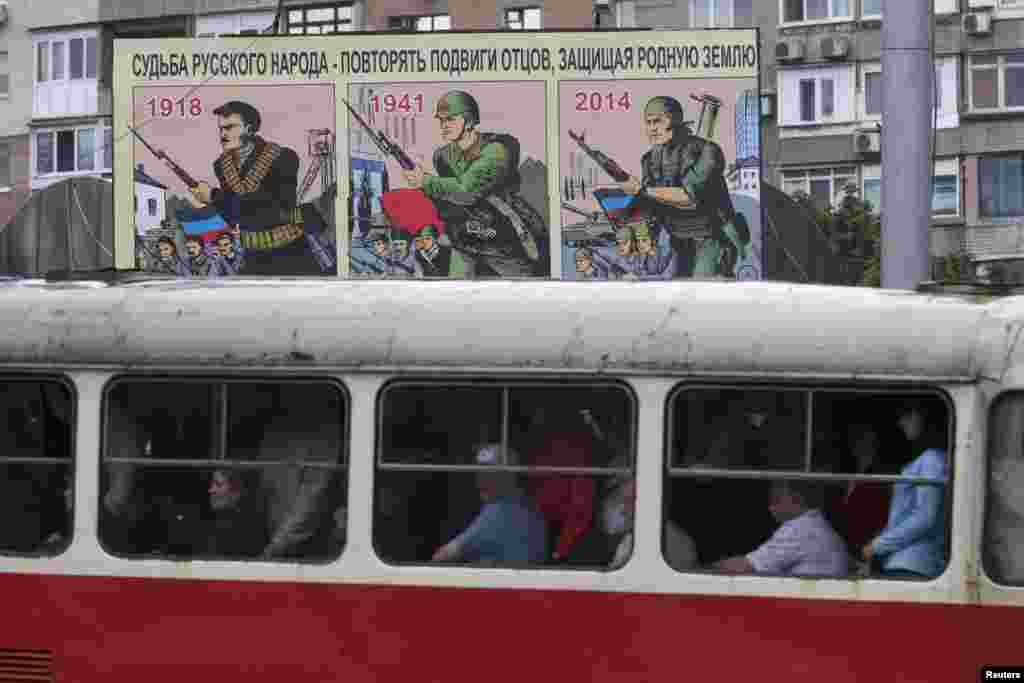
<point x="238" y="528"/>
<point x="566" y="501"/>
<point x="679" y="549"/>
<point x="508" y="530"/>
<point x="860" y="511"/>
<point x="913" y="542"/>
<point x="805" y="544"/>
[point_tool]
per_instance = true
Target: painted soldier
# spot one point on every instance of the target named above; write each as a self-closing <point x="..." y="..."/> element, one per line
<point x="258" y="186"/>
<point x="199" y="263"/>
<point x="414" y="213"/>
<point x="685" y="176"/>
<point x="476" y="191"/>
<point x="622" y="263"/>
<point x="169" y="261"/>
<point x="230" y="260"/>
<point x="654" y="260"/>
<point x="390" y="255"/>
<point x="587" y="268"/>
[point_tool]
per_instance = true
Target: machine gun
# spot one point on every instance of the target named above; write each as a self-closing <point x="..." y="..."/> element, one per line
<point x="383" y="143"/>
<point x="189" y="181"/>
<point x="603" y="160"/>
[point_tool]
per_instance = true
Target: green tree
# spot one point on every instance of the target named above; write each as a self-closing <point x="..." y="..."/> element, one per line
<point x="853" y="230"/>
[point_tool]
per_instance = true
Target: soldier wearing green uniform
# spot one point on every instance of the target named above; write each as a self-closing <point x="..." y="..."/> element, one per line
<point x="684" y="175"/>
<point x="476" y="191"/>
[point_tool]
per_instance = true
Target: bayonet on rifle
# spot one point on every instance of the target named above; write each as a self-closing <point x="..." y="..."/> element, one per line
<point x="383" y="143"/>
<point x="189" y="181"/>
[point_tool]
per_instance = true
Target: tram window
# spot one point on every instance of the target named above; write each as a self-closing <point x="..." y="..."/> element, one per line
<point x="1003" y="549"/>
<point x="503" y="474"/>
<point x="36" y="467"/>
<point x="238" y="469"/>
<point x="748" y="464"/>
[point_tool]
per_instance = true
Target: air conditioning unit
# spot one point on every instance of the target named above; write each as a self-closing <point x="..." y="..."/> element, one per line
<point x="977" y="24"/>
<point x="980" y="4"/>
<point x="3" y="13"/>
<point x="835" y="47"/>
<point x="867" y="142"/>
<point x="789" y="50"/>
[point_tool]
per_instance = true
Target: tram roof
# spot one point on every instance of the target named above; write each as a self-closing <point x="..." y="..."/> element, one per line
<point x="672" y="328"/>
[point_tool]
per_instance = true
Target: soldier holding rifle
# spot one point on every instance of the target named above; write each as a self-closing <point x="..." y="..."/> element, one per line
<point x="258" y="182"/>
<point x="476" y="192"/>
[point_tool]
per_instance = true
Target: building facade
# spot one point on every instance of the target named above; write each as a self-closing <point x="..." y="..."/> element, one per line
<point x="820" y="94"/>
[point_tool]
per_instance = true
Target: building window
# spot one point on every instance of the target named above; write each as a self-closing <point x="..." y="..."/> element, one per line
<point x="43" y="62"/>
<point x="36" y="467"/>
<point x="320" y="20"/>
<point x="997" y="81"/>
<point x="186" y="452"/>
<point x="69" y="59"/>
<point x="871" y="8"/>
<point x="433" y="22"/>
<point x="603" y="15"/>
<point x="825" y="186"/>
<point x="240" y="23"/>
<point x="945" y="187"/>
<point x="5" y="75"/>
<point x="737" y="456"/>
<point x="873" y="93"/>
<point x="72" y="150"/>
<point x="721" y="13"/>
<point x="817" y="95"/>
<point x="478" y="473"/>
<point x="945" y="96"/>
<point x="796" y="11"/>
<point x="1001" y="186"/>
<point x="151" y="206"/>
<point x="523" y="18"/>
<point x="5" y="166"/>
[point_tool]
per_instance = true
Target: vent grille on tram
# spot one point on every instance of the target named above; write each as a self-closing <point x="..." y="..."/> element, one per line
<point x="26" y="666"/>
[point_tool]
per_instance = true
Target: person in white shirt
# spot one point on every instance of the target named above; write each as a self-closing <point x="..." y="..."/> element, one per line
<point x="805" y="544"/>
<point x="680" y="551"/>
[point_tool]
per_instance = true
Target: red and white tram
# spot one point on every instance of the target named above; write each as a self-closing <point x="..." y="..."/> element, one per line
<point x="373" y="396"/>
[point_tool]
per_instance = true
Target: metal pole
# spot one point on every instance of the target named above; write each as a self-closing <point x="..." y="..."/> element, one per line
<point x="907" y="74"/>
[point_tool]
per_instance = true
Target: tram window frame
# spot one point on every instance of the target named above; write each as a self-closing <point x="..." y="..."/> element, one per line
<point x="46" y="548"/>
<point x="221" y="385"/>
<point x="608" y="473"/>
<point x="997" y="441"/>
<point x="674" y="472"/>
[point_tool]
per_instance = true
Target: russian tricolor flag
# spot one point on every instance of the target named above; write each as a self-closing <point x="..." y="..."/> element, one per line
<point x="206" y="222"/>
<point x="618" y="206"/>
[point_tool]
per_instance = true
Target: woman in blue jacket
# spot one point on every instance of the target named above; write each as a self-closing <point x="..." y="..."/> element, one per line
<point x="913" y="542"/>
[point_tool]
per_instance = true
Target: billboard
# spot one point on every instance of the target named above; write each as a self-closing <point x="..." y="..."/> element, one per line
<point x="570" y="155"/>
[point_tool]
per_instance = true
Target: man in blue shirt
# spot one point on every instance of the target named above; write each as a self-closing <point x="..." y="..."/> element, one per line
<point x="508" y="530"/>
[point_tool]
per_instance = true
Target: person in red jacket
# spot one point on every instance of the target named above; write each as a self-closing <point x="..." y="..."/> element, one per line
<point x="862" y="509"/>
<point x="566" y="501"/>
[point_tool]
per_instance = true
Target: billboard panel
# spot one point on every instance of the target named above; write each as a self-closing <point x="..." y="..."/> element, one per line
<point x="572" y="155"/>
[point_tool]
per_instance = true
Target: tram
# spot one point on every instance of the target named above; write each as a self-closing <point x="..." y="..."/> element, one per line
<point x="355" y="410"/>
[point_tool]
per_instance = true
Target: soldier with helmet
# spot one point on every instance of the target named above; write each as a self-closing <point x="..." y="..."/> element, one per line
<point x="476" y="191"/>
<point x="685" y="176"/>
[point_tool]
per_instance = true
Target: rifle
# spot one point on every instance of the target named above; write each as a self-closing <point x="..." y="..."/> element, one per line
<point x="189" y="181"/>
<point x="383" y="143"/>
<point x="603" y="160"/>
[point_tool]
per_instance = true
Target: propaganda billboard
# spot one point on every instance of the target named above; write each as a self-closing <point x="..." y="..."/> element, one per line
<point x="580" y="156"/>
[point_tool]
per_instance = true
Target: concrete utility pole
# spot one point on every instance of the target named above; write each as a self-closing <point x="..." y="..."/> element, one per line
<point x="907" y="96"/>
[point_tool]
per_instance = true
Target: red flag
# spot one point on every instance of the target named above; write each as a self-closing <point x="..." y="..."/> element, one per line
<point x="409" y="210"/>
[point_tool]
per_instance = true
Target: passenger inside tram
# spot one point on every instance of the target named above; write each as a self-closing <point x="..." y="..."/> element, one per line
<point x="237" y="527"/>
<point x="805" y="544"/>
<point x="508" y="531"/>
<point x="716" y="484"/>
